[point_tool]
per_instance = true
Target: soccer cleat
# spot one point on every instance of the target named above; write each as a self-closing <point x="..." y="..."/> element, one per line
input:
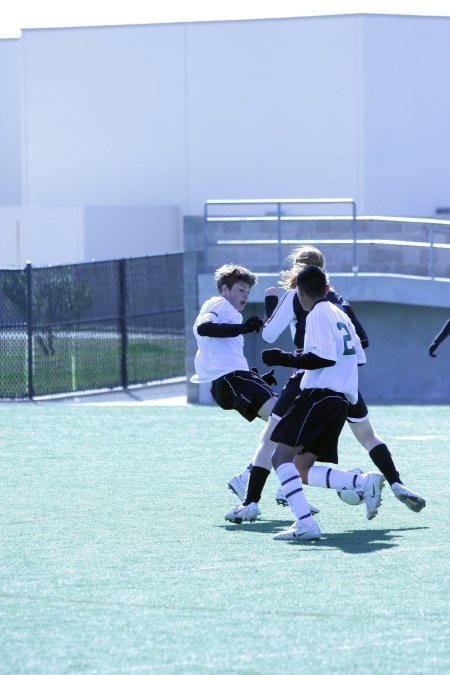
<point x="282" y="501"/>
<point x="299" y="532"/>
<point x="372" y="492"/>
<point x="414" y="502"/>
<point x="241" y="512"/>
<point x="237" y="485"/>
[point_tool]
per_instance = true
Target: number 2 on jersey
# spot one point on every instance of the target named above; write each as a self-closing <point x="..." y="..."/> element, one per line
<point x="348" y="348"/>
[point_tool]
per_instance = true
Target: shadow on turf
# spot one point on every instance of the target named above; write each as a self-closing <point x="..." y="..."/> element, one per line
<point x="350" y="541"/>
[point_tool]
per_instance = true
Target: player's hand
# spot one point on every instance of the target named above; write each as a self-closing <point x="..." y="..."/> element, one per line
<point x="269" y="378"/>
<point x="254" y="323"/>
<point x="432" y="348"/>
<point x="272" y="357"/>
<point x="271" y="291"/>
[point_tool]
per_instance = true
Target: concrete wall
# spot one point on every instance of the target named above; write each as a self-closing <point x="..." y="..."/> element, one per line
<point x="116" y="232"/>
<point x="401" y="315"/>
<point x="42" y="236"/>
<point x="68" y="234"/>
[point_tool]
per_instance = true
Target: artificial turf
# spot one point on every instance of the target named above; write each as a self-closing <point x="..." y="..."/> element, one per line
<point x="115" y="557"/>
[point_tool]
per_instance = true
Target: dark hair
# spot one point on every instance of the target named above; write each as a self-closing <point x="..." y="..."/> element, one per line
<point x="313" y="280"/>
<point x="231" y="274"/>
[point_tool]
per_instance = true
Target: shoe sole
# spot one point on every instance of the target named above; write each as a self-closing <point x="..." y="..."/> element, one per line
<point x="416" y="504"/>
<point x="238" y="521"/>
<point x="299" y="538"/>
<point x="281" y="502"/>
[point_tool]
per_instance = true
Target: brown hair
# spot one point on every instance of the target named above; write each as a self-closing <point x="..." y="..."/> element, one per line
<point x="231" y="274"/>
<point x="303" y="255"/>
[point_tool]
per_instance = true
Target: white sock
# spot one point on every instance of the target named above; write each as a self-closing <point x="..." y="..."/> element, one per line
<point x="292" y="487"/>
<point x="323" y="476"/>
<point x="266" y="447"/>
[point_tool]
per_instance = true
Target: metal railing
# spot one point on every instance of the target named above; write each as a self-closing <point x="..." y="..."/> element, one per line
<point x="279" y="218"/>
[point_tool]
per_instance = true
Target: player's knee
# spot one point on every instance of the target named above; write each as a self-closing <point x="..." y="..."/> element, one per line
<point x="266" y="408"/>
<point x="281" y="455"/>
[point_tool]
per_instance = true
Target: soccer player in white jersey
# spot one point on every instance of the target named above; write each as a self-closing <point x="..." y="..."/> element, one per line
<point x="220" y="360"/>
<point x="288" y="313"/>
<point x="311" y="427"/>
<point x="219" y="330"/>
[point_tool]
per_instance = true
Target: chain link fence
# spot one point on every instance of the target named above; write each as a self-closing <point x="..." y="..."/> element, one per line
<point x="91" y="326"/>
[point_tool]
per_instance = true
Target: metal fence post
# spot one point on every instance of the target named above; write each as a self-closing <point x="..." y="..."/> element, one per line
<point x="431" y="254"/>
<point x="355" y="265"/>
<point x="29" y="319"/>
<point x="123" y="322"/>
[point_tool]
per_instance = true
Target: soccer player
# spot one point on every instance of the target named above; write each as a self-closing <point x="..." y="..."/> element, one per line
<point x="219" y="330"/>
<point x="289" y="312"/>
<point x="440" y="337"/>
<point x="331" y="355"/>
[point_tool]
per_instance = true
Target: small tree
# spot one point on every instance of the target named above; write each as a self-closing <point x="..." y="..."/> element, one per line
<point x="57" y="297"/>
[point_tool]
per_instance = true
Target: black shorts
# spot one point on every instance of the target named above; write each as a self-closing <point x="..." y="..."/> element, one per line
<point x="357" y="412"/>
<point x="314" y="421"/>
<point x="241" y="390"/>
<point x="287" y="396"/>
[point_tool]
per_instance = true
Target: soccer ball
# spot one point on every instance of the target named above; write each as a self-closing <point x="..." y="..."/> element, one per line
<point x="351" y="497"/>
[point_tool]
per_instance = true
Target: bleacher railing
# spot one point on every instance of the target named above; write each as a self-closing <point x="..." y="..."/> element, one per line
<point x="404" y="246"/>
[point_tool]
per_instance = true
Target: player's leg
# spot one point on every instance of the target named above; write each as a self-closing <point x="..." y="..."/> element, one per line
<point x="286" y="398"/>
<point x="249" y="484"/>
<point x="368" y="484"/>
<point x="304" y="527"/>
<point x="262" y="456"/>
<point x="316" y="421"/>
<point x="380" y="455"/>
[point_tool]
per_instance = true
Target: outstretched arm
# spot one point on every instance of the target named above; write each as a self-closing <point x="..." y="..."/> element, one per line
<point x="280" y="319"/>
<point x="309" y="361"/>
<point x="440" y="337"/>
<point x="225" y="330"/>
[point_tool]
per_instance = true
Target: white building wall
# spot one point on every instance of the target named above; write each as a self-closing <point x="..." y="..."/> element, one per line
<point x="10" y="123"/>
<point x="67" y="234"/>
<point x="168" y="116"/>
<point x="272" y="110"/>
<point x="104" y="118"/>
<point x="42" y="236"/>
<point x="406" y="113"/>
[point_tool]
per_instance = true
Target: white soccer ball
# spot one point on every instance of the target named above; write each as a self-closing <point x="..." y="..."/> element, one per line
<point x="351" y="497"/>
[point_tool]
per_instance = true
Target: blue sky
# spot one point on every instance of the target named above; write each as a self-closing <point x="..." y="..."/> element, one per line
<point x="22" y="14"/>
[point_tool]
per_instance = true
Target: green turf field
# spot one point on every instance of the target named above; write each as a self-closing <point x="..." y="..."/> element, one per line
<point x="115" y="557"/>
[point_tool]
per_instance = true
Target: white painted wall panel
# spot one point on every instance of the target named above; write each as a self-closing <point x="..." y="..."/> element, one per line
<point x="104" y="116"/>
<point x="42" y="236"/>
<point x="10" y="127"/>
<point x="406" y="112"/>
<point x="272" y="110"/>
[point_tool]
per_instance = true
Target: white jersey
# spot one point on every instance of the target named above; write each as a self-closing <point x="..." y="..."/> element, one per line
<point x="218" y="356"/>
<point x="331" y="335"/>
